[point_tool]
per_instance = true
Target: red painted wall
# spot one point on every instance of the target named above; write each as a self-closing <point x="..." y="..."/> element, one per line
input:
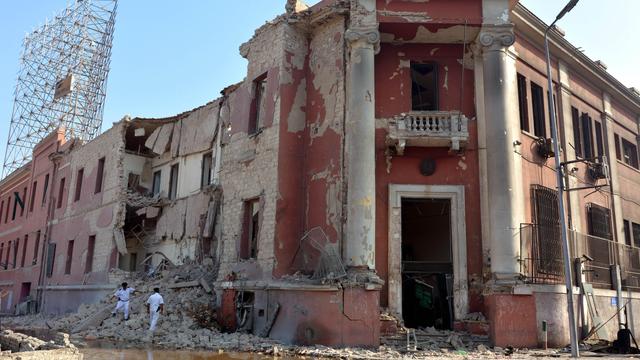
<point x="393" y="96"/>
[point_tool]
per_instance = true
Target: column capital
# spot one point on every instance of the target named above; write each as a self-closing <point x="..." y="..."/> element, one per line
<point x="364" y="35"/>
<point x="496" y="37"/>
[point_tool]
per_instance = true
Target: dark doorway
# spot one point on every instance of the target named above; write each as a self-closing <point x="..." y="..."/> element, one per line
<point x="427" y="265"/>
<point x="25" y="290"/>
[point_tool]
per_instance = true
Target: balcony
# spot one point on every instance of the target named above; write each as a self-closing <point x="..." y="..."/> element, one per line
<point x="429" y="129"/>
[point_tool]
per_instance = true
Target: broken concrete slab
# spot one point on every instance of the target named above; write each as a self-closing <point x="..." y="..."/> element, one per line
<point x="205" y="285"/>
<point x="184" y="284"/>
<point x="164" y="139"/>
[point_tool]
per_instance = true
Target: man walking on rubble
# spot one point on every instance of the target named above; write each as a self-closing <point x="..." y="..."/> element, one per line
<point x="155" y="306"/>
<point x="123" y="294"/>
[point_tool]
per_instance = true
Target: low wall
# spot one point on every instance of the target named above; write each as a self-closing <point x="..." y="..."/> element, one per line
<point x="66" y="299"/>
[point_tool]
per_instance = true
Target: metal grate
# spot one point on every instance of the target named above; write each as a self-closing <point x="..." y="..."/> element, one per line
<point x="547" y="246"/>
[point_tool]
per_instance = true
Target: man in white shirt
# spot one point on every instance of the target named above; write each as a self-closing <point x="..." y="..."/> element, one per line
<point x="123" y="295"/>
<point x="155" y="306"/>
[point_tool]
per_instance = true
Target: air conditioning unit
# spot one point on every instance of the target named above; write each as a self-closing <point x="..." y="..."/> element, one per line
<point x="597" y="171"/>
<point x="544" y="147"/>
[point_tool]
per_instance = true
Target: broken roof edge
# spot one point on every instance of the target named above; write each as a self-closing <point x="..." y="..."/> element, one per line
<point x="174" y="118"/>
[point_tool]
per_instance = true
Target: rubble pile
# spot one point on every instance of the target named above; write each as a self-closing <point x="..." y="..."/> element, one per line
<point x="185" y="290"/>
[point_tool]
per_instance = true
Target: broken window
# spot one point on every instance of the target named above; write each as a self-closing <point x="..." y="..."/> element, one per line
<point x="616" y="139"/>
<point x="36" y="248"/>
<point x="629" y="153"/>
<point x="424" y="86"/>
<point x="99" y="175"/>
<point x="88" y="265"/>
<point x="155" y="187"/>
<point x="547" y="219"/>
<point x="251" y="229"/>
<point x="173" y="182"/>
<point x="256" y="116"/>
<point x="24" y="250"/>
<point x="205" y="177"/>
<point x="67" y="267"/>
<point x="537" y="105"/>
<point x="51" y="256"/>
<point x="45" y="189"/>
<point x="523" y="103"/>
<point x="60" y="193"/>
<point x="79" y="185"/>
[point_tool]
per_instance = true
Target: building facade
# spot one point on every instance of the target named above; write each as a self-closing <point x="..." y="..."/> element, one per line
<point x="380" y="156"/>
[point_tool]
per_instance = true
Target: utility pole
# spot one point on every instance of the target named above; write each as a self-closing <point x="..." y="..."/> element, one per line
<point x="559" y="178"/>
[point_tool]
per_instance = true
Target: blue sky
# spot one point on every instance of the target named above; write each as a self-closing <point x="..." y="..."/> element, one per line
<point x="170" y="56"/>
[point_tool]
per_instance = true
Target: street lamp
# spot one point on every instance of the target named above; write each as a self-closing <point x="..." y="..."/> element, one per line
<point x="563" y="226"/>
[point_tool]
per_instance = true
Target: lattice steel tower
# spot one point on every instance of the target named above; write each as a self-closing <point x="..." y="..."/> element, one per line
<point x="62" y="78"/>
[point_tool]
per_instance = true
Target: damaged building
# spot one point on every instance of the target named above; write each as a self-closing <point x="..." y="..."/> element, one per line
<point x="381" y="156"/>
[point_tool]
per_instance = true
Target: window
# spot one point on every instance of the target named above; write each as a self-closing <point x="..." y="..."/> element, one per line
<point x="599" y="142"/>
<point x="34" y="188"/>
<point x="79" y="185"/>
<point x="547" y="236"/>
<point x="100" y="175"/>
<point x="599" y="221"/>
<point x="205" y="177"/>
<point x="251" y="229"/>
<point x="155" y="188"/>
<point x="629" y="153"/>
<point x="45" y="189"/>
<point x="523" y="103"/>
<point x="36" y="248"/>
<point x="537" y="104"/>
<point x="88" y="266"/>
<point x="587" y="138"/>
<point x="1" y="252"/>
<point x="627" y="233"/>
<point x="60" y="193"/>
<point x="6" y="214"/>
<point x="23" y="198"/>
<point x="616" y="139"/>
<point x="424" y="86"/>
<point x="635" y="229"/>
<point x="51" y="257"/>
<point x="173" y="182"/>
<point x="256" y="116"/>
<point x="16" y="246"/>
<point x="1" y="209"/>
<point x="24" y="250"/>
<point x="17" y="201"/>
<point x="6" y="259"/>
<point x="67" y="265"/>
<point x="583" y="137"/>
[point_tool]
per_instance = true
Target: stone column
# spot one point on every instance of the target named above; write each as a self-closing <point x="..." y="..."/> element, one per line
<point x="504" y="167"/>
<point x="363" y="39"/>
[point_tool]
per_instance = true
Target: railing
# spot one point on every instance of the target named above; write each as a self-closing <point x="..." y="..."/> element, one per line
<point x="429" y="128"/>
<point x="541" y="258"/>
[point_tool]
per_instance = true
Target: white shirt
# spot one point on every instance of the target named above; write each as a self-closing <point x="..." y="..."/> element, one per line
<point x="155" y="301"/>
<point x="124" y="294"/>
